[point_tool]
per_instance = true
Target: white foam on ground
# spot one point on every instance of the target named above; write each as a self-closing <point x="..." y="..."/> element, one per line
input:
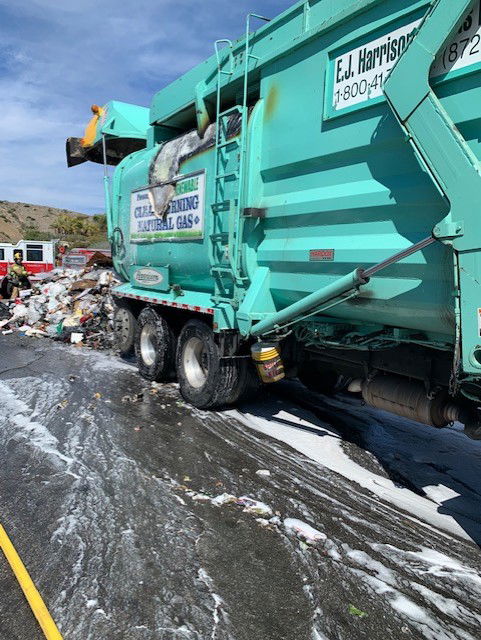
<point x="21" y="417"/>
<point x="255" y="507"/>
<point x="396" y="584"/>
<point x="304" y="531"/>
<point x="218" y="602"/>
<point x="447" y="606"/>
<point x="431" y="562"/>
<point x="104" y="361"/>
<point x="321" y="443"/>
<point x="429" y="626"/>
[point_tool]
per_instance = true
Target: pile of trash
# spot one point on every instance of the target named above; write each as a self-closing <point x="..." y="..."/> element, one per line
<point x="66" y="305"/>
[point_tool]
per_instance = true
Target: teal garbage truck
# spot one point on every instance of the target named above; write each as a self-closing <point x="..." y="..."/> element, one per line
<point x="307" y="202"/>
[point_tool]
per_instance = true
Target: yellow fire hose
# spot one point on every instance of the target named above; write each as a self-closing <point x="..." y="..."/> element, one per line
<point x="30" y="591"/>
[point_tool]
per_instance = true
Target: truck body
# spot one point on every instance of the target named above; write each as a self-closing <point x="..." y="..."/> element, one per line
<point x="316" y="185"/>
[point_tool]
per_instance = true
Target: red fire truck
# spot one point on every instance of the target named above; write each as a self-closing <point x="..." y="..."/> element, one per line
<point x="38" y="256"/>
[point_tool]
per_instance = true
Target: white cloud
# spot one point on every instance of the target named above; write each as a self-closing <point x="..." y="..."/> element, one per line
<point x="57" y="58"/>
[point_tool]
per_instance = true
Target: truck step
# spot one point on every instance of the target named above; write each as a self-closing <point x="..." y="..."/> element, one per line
<point x="238" y="108"/>
<point x="227" y="143"/>
<point x="218" y="299"/>
<point x="225" y="176"/>
<point x="220" y="268"/>
<point x="223" y="205"/>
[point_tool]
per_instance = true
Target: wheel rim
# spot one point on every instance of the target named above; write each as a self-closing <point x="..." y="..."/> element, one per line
<point x="195" y="362"/>
<point x="147" y="345"/>
<point x="122" y="325"/>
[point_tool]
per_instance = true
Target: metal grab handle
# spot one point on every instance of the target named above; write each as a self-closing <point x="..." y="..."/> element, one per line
<point x="217" y="55"/>
<point x="248" y="31"/>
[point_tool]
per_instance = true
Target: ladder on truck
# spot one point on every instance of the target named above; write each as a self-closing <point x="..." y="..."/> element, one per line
<point x="229" y="181"/>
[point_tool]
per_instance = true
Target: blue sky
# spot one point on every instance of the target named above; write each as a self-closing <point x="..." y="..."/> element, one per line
<point x="57" y="57"/>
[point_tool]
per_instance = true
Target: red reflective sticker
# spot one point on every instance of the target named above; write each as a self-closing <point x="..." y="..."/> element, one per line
<point x="321" y="255"/>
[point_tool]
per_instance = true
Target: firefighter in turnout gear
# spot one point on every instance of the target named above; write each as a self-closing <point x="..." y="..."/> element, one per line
<point x="18" y="276"/>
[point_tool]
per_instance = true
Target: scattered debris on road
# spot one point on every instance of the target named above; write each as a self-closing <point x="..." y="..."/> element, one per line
<point x="133" y="399"/>
<point x="354" y="611"/>
<point x="304" y="531"/>
<point x="306" y="534"/>
<point x="68" y="306"/>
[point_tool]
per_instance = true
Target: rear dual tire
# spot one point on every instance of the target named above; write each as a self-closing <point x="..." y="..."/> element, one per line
<point x="154" y="346"/>
<point x="125" y="324"/>
<point x="207" y="380"/>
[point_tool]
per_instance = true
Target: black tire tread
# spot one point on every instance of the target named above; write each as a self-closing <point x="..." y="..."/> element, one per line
<point x="126" y="348"/>
<point x="163" y="367"/>
<point x="226" y="375"/>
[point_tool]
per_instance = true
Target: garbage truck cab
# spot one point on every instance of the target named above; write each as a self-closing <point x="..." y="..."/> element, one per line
<point x="306" y="201"/>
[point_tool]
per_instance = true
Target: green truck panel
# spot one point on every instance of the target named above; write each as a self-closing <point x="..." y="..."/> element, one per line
<point x="333" y="137"/>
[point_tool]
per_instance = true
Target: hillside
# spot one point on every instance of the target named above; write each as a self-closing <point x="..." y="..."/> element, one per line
<point x="18" y="217"/>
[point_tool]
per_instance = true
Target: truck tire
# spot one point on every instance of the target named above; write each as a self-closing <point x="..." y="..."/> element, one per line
<point x="206" y="380"/>
<point x="154" y="346"/>
<point x="250" y="384"/>
<point x="125" y="324"/>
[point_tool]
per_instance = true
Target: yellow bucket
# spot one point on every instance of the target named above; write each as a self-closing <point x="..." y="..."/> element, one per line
<point x="267" y="358"/>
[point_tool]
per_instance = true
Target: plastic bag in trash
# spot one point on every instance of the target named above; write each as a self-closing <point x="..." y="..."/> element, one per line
<point x="73" y="319"/>
<point x="33" y="315"/>
<point x="19" y="312"/>
<point x="104" y="278"/>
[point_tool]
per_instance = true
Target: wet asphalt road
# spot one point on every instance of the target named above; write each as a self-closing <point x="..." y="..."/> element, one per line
<point x="107" y="502"/>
